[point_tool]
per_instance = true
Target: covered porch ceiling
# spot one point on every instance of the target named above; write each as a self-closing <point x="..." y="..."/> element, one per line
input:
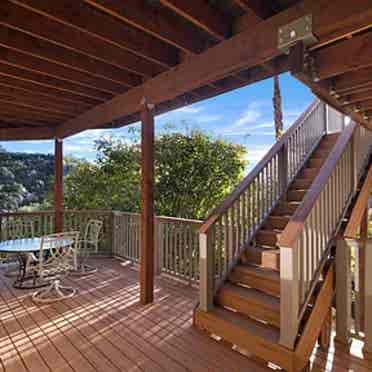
<point x="68" y="65"/>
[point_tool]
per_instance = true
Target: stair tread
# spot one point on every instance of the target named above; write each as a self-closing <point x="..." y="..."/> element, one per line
<point x="257" y="328"/>
<point x="253" y="295"/>
<point x="258" y="271"/>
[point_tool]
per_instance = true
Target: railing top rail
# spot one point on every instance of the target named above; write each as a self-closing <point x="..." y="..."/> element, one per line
<point x="293" y="229"/>
<point x="20" y="214"/>
<point x="359" y="209"/>
<point x="219" y="210"/>
<point x="176" y="219"/>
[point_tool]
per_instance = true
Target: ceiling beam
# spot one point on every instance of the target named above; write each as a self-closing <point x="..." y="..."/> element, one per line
<point x="35" y="24"/>
<point x="45" y="112"/>
<point x="24" y="133"/>
<point x="344" y="56"/>
<point x="41" y="66"/>
<point x="154" y="21"/>
<point x="202" y="16"/>
<point x="53" y="83"/>
<point x="245" y="50"/>
<point x="46" y="91"/>
<point x="320" y="88"/>
<point x="87" y="19"/>
<point x="21" y="42"/>
<point x="351" y="81"/>
<point x="261" y="8"/>
<point x="355" y="98"/>
<point x="34" y="100"/>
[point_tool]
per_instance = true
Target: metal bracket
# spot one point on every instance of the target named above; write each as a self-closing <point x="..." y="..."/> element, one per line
<point x="299" y="30"/>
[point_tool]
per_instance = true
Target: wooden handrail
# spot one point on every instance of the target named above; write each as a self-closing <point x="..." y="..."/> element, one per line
<point x="219" y="210"/>
<point x="293" y="229"/>
<point x="359" y="209"/>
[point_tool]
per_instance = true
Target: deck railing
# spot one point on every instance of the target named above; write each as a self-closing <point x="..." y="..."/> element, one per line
<point x="307" y="238"/>
<point x="231" y="226"/>
<point x="177" y="239"/>
<point x="176" y="242"/>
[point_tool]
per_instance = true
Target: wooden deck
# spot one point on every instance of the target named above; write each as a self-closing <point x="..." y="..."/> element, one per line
<point x="104" y="328"/>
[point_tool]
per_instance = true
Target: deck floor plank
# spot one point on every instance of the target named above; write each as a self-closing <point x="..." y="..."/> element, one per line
<point x="105" y="328"/>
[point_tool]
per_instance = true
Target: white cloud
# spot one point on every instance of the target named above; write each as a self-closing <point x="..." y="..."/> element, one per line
<point x="190" y="109"/>
<point x="208" y="118"/>
<point x="248" y="117"/>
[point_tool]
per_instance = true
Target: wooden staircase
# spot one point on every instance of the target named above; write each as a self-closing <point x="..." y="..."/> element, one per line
<point x="246" y="312"/>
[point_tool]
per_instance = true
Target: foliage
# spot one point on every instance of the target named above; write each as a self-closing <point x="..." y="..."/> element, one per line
<point x="24" y="178"/>
<point x="193" y="173"/>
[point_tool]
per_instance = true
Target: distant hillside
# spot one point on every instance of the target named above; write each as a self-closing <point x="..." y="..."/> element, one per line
<point x="24" y="178"/>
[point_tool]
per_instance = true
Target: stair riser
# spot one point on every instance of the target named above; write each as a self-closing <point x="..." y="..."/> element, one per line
<point x="269" y="259"/>
<point x="284" y="210"/>
<point x="302" y="183"/>
<point x="296" y="195"/>
<point x="276" y="223"/>
<point x="248" y="341"/>
<point x="262" y="284"/>
<point x="267" y="239"/>
<point x="249" y="308"/>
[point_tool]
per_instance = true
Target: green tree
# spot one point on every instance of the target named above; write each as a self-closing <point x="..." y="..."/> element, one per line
<point x="193" y="173"/>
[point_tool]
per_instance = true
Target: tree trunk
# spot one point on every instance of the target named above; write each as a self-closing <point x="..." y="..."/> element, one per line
<point x="278" y="113"/>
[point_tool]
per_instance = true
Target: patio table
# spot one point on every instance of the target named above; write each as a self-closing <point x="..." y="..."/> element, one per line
<point x="23" y="249"/>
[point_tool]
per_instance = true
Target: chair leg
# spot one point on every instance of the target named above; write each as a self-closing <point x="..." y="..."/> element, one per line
<point x="55" y="292"/>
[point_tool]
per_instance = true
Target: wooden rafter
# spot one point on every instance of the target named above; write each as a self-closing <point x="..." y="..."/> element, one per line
<point x="345" y="56"/>
<point x="44" y="67"/>
<point x="245" y="50"/>
<point x="352" y="81"/>
<point x="261" y="8"/>
<point x="59" y="34"/>
<point x="24" y="133"/>
<point x="53" y="83"/>
<point x="153" y="21"/>
<point x="201" y="15"/>
<point x="46" y="91"/>
<point x="87" y="19"/>
<point x="21" y="42"/>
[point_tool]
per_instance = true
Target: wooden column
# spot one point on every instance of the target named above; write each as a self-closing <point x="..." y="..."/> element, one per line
<point x="58" y="185"/>
<point x="147" y="205"/>
<point x="343" y="294"/>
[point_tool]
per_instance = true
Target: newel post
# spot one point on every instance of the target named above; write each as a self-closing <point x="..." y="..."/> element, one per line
<point x="206" y="272"/>
<point x="343" y="293"/>
<point x="289" y="296"/>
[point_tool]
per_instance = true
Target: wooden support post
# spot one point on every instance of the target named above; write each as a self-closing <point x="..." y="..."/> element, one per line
<point x="343" y="294"/>
<point x="58" y="185"/>
<point x="289" y="296"/>
<point x="367" y="350"/>
<point x="147" y="205"/>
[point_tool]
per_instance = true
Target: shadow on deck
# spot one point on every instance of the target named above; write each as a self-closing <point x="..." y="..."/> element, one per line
<point x="104" y="328"/>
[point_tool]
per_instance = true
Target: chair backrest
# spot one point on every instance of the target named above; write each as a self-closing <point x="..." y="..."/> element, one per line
<point x="92" y="232"/>
<point x="57" y="252"/>
<point x="19" y="229"/>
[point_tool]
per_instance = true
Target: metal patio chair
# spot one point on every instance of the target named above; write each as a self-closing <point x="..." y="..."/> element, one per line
<point x="88" y="246"/>
<point x="56" y="259"/>
<point x="17" y="229"/>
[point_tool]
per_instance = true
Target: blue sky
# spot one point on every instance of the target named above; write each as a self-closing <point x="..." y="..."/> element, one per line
<point x="243" y="116"/>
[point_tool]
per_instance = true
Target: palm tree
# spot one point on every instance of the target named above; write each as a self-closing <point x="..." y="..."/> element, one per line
<point x="278" y="113"/>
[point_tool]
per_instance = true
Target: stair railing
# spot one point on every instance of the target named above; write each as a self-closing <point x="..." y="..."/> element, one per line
<point x="231" y="227"/>
<point x="307" y="238"/>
